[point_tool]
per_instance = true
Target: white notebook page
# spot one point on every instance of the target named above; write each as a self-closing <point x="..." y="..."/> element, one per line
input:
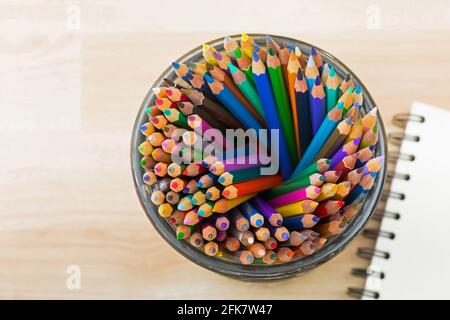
<point x="419" y="263"/>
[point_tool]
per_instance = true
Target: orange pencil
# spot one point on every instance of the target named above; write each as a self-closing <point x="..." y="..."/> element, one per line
<point x="292" y="70"/>
<point x="251" y="186"/>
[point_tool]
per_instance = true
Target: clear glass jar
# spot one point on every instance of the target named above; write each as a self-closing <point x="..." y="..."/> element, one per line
<point x="257" y="272"/>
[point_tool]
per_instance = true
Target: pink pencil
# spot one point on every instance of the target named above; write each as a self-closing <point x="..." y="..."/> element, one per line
<point x="310" y="192"/>
<point x="201" y="126"/>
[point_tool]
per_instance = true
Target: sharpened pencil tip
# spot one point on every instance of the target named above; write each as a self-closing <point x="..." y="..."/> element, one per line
<point x="176" y="65"/>
<point x="208" y="78"/>
<point x="299" y="75"/>
<point x="313" y="51"/>
<point x="317" y="82"/>
<point x="255" y="56"/>
<point x="311" y="61"/>
<point x="358" y="89"/>
<point x="332" y="72"/>
<point x="347" y="77"/>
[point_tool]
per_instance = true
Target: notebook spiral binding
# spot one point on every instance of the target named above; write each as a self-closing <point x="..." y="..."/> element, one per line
<point x="400" y="120"/>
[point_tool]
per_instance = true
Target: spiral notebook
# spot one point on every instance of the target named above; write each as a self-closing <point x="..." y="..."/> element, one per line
<point x="411" y="259"/>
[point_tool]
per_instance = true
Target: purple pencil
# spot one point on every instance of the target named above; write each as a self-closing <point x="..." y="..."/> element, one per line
<point x="317" y="105"/>
<point x="275" y="219"/>
<point x="234" y="164"/>
<point x="347" y="149"/>
<point x="310" y="192"/>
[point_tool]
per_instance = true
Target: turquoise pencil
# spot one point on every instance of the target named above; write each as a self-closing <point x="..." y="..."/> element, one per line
<point x="270" y="110"/>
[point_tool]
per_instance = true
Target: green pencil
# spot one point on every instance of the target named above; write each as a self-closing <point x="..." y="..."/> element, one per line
<point x="315" y="179"/>
<point x="246" y="87"/>
<point x="176" y="117"/>
<point x="244" y="63"/>
<point x="282" y="102"/>
<point x="320" y="166"/>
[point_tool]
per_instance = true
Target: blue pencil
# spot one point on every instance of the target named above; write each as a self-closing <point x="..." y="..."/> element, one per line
<point x="232" y="103"/>
<point x="317" y="105"/>
<point x="270" y="110"/>
<point x="301" y="221"/>
<point x="328" y="125"/>
<point x="362" y="188"/>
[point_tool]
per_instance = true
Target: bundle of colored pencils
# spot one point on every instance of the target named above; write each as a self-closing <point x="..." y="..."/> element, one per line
<point x="229" y="208"/>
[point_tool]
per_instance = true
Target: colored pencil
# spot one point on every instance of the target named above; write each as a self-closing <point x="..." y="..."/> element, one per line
<point x="157" y="197"/>
<point x="246" y="238"/>
<point x="319" y="166"/>
<point x="327" y="191"/>
<point x="233" y="104"/>
<point x="257" y="249"/>
<point x="262" y="234"/>
<point x="185" y="203"/>
<point x="346" y="84"/>
<point x="205" y="210"/>
<point x="292" y="69"/>
<point x="317" y="105"/>
<point x="369" y="120"/>
<point x="336" y="139"/>
<point x="332" y="176"/>
<point x="207" y="180"/>
<point x="271" y="113"/>
<point x="328" y="208"/>
<point x="281" y="234"/>
<point x="172" y="197"/>
<point x="326" y="128"/>
<point x="232" y="244"/>
<point x="343" y="189"/>
<point x="244" y="63"/>
<point x="254" y="217"/>
<point x="282" y="101"/>
<point x="346" y="164"/>
<point x="315" y="179"/>
<point x="147" y="162"/>
<point x="224" y="205"/>
<point x="196" y="239"/>
<point x="251" y="186"/>
<point x="211" y="248"/>
<point x="283" y="54"/>
<point x="228" y="82"/>
<point x="245" y="257"/>
<point x="270" y="214"/>
<point x="347" y="149"/>
<point x="332" y="89"/>
<point x="271" y="243"/>
<point x="149" y="178"/>
<point x="213" y="193"/>
<point x="230" y="44"/>
<point x="330" y="229"/>
<point x="317" y="59"/>
<point x="191" y="218"/>
<point x="245" y="85"/>
<point x="300" y="221"/>
<point x="303" y="111"/>
<point x="269" y="258"/>
<point x="285" y="254"/>
<point x="295" y="239"/>
<point x="209" y="232"/>
<point x="232" y="177"/>
<point x="184" y="232"/>
<point x="310" y="192"/>
<point x="311" y="73"/>
<point x="363" y="187"/>
<point x="296" y="208"/>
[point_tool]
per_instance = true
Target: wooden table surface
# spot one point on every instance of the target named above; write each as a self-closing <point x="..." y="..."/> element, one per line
<point x="69" y="93"/>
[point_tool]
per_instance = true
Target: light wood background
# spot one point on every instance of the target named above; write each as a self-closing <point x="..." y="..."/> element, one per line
<point x="69" y="93"/>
